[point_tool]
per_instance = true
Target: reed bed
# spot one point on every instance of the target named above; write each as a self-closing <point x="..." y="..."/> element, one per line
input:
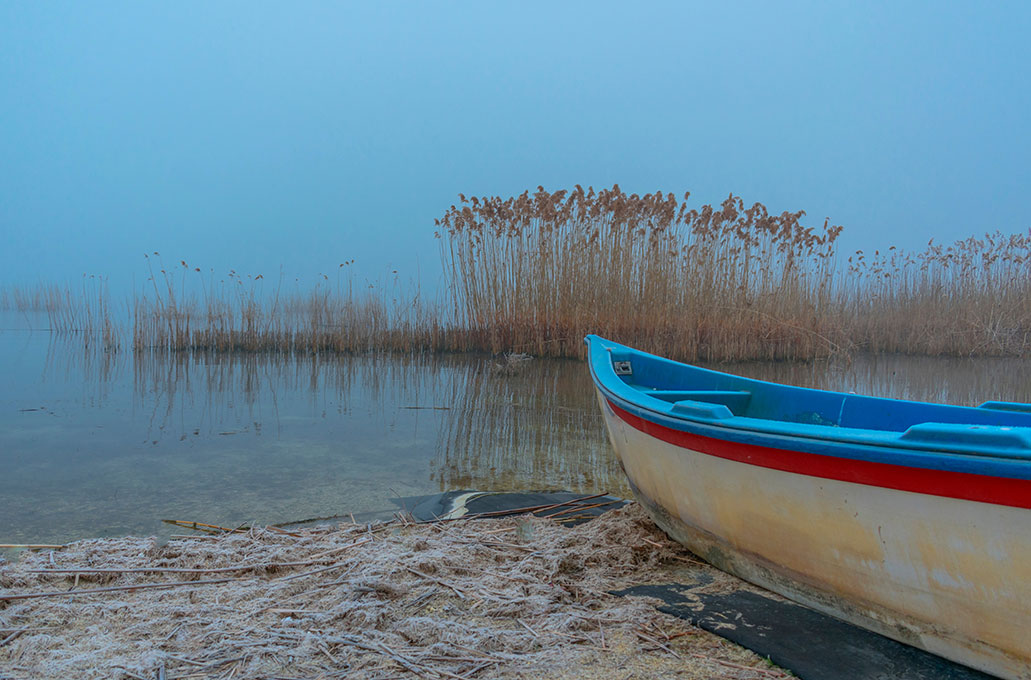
<point x="40" y="298"/>
<point x="242" y="314"/>
<point x="534" y="273"/>
<point x="85" y="310"/>
<point x="537" y="272"/>
<point x="970" y="298"/>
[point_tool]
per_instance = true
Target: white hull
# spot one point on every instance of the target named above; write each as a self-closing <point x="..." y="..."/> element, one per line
<point x="950" y="576"/>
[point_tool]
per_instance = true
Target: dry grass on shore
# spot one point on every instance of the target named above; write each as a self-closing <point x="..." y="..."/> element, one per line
<point x="516" y="598"/>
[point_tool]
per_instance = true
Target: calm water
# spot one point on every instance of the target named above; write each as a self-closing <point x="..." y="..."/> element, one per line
<point x="97" y="444"/>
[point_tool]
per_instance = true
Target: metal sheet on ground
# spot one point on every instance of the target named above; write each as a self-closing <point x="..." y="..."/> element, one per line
<point x="570" y="508"/>
<point x="811" y="645"/>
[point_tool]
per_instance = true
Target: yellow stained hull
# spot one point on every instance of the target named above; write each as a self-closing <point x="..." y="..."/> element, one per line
<point x="948" y="575"/>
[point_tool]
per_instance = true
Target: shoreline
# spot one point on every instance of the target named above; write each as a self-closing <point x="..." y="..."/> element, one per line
<point x="511" y="597"/>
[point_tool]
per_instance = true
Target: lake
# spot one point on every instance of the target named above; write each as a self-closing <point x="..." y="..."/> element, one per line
<point x="104" y="444"/>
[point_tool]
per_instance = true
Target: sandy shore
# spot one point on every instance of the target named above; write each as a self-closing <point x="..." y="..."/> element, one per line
<point x="518" y="597"/>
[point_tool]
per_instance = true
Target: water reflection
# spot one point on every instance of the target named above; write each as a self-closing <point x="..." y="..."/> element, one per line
<point x="535" y="427"/>
<point x="93" y="443"/>
<point x="108" y="445"/>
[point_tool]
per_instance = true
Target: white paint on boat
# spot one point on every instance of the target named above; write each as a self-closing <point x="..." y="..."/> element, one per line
<point x="949" y="575"/>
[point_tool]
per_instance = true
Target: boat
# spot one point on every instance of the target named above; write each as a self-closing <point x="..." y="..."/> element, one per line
<point x="909" y="519"/>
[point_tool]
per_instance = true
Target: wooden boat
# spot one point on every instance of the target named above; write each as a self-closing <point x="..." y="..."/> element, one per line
<point x="909" y="519"/>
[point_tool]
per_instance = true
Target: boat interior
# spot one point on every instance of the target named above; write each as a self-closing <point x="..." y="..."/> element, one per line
<point x="701" y="394"/>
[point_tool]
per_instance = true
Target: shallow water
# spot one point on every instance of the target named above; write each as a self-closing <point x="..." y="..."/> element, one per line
<point x="100" y="444"/>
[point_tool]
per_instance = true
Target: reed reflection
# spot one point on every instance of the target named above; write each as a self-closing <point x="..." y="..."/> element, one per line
<point x="100" y="443"/>
<point x="526" y="425"/>
<point x="501" y="425"/>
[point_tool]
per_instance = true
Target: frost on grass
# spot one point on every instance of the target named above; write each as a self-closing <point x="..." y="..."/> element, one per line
<point x="515" y="597"/>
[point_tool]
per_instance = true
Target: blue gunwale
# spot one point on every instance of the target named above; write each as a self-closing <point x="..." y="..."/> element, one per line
<point x="982" y="441"/>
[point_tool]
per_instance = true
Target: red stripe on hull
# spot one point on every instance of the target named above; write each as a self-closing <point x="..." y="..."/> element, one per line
<point x="972" y="487"/>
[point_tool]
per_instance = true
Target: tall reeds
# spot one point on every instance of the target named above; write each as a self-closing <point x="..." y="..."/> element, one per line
<point x="536" y="272"/>
<point x="184" y="309"/>
<point x="970" y="298"/>
<point x="86" y="311"/>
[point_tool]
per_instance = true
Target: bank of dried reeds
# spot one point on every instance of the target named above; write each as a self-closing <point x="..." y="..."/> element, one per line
<point x="537" y="272"/>
<point x="970" y="298"/>
<point x="184" y="309"/>
<point x="85" y="310"/>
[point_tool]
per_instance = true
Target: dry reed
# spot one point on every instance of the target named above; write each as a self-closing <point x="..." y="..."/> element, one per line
<point x="239" y="314"/>
<point x="511" y="598"/>
<point x="535" y="273"/>
<point x="970" y="298"/>
<point x="86" y="311"/>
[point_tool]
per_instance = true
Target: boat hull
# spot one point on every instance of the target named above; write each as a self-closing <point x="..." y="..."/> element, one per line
<point x="948" y="575"/>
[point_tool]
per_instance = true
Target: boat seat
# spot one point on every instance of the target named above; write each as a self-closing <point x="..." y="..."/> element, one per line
<point x="980" y="436"/>
<point x="1015" y="407"/>
<point x="735" y="400"/>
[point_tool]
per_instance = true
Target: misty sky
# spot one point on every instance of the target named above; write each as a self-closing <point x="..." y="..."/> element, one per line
<point x="255" y="136"/>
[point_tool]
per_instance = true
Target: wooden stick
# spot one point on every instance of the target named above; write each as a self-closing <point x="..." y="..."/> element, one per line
<point x="176" y="570"/>
<point x="281" y="531"/>
<point x="483" y="655"/>
<point x="13" y="636"/>
<point x="379" y="647"/>
<point x="652" y="640"/>
<point x="31" y="546"/>
<point x="342" y="548"/>
<point x="339" y="565"/>
<point x="570" y="518"/>
<point x="145" y="586"/>
<point x="296" y="611"/>
<point x="407" y="663"/>
<point x="209" y="528"/>
<point x="497" y="531"/>
<point x="761" y="671"/>
<point x="532" y="631"/>
<point x="437" y="580"/>
<point x="189" y="661"/>
<point x="476" y="670"/>
<point x="468" y="675"/>
<point x="495" y="544"/>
